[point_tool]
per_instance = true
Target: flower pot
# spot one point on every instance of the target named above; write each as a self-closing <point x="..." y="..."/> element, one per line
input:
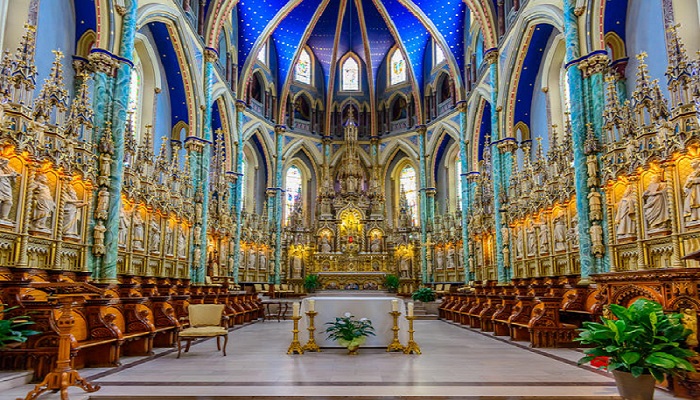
<point x="352" y="350"/>
<point x="631" y="388"/>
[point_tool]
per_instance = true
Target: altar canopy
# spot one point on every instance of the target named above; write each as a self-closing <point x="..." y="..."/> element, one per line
<point x="376" y="309"/>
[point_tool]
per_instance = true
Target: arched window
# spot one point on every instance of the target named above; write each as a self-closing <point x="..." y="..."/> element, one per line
<point x="293" y="188"/>
<point x="439" y="55"/>
<point x="302" y="71"/>
<point x="458" y="181"/>
<point x="407" y="180"/>
<point x="351" y="75"/>
<point x="133" y="106"/>
<point x="398" y="68"/>
<point x="262" y="54"/>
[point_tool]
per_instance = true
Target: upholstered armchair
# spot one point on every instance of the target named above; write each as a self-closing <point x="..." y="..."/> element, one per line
<point x="206" y="320"/>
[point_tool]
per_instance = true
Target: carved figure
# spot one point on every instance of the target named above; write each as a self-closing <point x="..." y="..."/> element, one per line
<point x="404" y="266"/>
<point x="560" y="232"/>
<point x="71" y="203"/>
<point x="624" y="218"/>
<point x="181" y="250"/>
<point x="263" y="260"/>
<point x="137" y="231"/>
<point x="168" y="239"/>
<point x="154" y="236"/>
<point x="98" y="239"/>
<point x="505" y="234"/>
<point x="595" y="205"/>
<point x="251" y="258"/>
<point x="691" y="189"/>
<point x="123" y="227"/>
<point x="296" y="265"/>
<point x="439" y="258"/>
<point x="596" y="232"/>
<point x="655" y="204"/>
<point x="572" y="234"/>
<point x="105" y="167"/>
<point x="44" y="204"/>
<point x="450" y="257"/>
<point x="376" y="245"/>
<point x="197" y="257"/>
<point x="325" y="246"/>
<point x="102" y="204"/>
<point x="7" y="177"/>
<point x="690" y="322"/>
<point x="544" y="238"/>
<point x="592" y="167"/>
<point x="531" y="240"/>
<point x="519" y="243"/>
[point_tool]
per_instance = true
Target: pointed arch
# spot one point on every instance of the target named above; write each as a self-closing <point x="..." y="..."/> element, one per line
<point x="350" y="73"/>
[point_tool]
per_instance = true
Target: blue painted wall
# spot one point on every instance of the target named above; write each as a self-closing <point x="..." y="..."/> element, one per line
<point x="55" y="31"/>
<point x="645" y="32"/>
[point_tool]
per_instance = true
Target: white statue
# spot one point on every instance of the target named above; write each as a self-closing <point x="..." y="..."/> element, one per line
<point x="595" y="205"/>
<point x="544" y="238"/>
<point x="560" y="232"/>
<point x="376" y="245"/>
<point x="98" y="239"/>
<point x="7" y="177"/>
<point x="531" y="240"/>
<point x="168" y="238"/>
<point x="624" y="218"/>
<point x="44" y="204"/>
<point x="296" y="265"/>
<point x="71" y="203"/>
<point x="154" y="236"/>
<point x="655" y="204"/>
<point x="105" y="166"/>
<point x="592" y="167"/>
<point x="325" y="245"/>
<point x="438" y="258"/>
<point x="102" y="204"/>
<point x="137" y="231"/>
<point x="404" y="266"/>
<point x="450" y="257"/>
<point x="519" y="243"/>
<point x="123" y="226"/>
<point x="251" y="259"/>
<point x="197" y="234"/>
<point x="596" y="232"/>
<point x="263" y="260"/>
<point x="691" y="189"/>
<point x="181" y="242"/>
<point x="197" y="257"/>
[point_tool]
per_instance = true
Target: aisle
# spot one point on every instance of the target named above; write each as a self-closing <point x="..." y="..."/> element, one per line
<point x="456" y="362"/>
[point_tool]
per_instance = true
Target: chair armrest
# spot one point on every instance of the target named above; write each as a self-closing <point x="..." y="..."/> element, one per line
<point x="224" y="318"/>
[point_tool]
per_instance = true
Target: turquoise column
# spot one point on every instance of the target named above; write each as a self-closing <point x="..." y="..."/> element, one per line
<point x="464" y="187"/>
<point x="578" y="137"/>
<point x="423" y="205"/>
<point x="238" y="191"/>
<point x="120" y="103"/>
<point x="496" y="165"/>
<point x="506" y="148"/>
<point x="279" y="143"/>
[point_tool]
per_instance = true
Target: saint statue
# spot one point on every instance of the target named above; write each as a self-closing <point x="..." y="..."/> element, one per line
<point x="519" y="243"/>
<point x="325" y="245"/>
<point x="123" y="227"/>
<point x="404" y="266"/>
<point x="595" y="205"/>
<point x="376" y="245"/>
<point x="596" y="232"/>
<point x="154" y="235"/>
<point x="251" y="259"/>
<point x="691" y="189"/>
<point x="544" y="238"/>
<point x="181" y="242"/>
<point x="592" y="167"/>
<point x="168" y="239"/>
<point x="531" y="240"/>
<point x="296" y="265"/>
<point x="102" y="204"/>
<point x="137" y="231"/>
<point x="263" y="260"/>
<point x="71" y="203"/>
<point x="98" y="239"/>
<point x="450" y="257"/>
<point x="7" y="177"/>
<point x="625" y="213"/>
<point x="44" y="204"/>
<point x="438" y="258"/>
<point x="560" y="232"/>
<point x="655" y="204"/>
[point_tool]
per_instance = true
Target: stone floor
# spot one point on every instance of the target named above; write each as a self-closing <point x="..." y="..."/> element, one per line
<point x="456" y="363"/>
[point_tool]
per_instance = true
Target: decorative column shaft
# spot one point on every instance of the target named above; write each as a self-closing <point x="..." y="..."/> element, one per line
<point x="423" y="204"/>
<point x="238" y="191"/>
<point x="464" y="187"/>
<point x="578" y="129"/>
<point x="279" y="143"/>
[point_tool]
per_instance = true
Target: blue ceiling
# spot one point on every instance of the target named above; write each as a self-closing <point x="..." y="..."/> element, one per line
<point x="528" y="74"/>
<point x="615" y="17"/>
<point x="386" y="22"/>
<point x="85" y="16"/>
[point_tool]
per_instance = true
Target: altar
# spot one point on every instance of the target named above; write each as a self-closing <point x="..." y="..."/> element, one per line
<point x="376" y="309"/>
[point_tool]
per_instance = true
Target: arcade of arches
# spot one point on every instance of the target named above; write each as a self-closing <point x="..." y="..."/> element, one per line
<point x="484" y="148"/>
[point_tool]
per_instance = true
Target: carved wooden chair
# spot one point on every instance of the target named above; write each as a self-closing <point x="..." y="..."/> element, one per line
<point x="206" y="320"/>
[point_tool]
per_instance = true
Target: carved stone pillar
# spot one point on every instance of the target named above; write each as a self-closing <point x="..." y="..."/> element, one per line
<point x="676" y="217"/>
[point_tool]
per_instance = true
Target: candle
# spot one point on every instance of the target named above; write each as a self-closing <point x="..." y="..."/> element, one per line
<point x="312" y="304"/>
<point x="410" y="309"/>
<point x="295" y="309"/>
<point x="395" y="305"/>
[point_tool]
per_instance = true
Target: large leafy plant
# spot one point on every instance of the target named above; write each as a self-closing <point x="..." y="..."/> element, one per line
<point x="641" y="340"/>
<point x="391" y="282"/>
<point x="424" y="294"/>
<point x="311" y="282"/>
<point x="14" y="329"/>
<point x="348" y="331"/>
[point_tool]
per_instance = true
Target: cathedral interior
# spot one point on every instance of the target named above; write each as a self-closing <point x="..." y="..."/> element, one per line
<point x="457" y="144"/>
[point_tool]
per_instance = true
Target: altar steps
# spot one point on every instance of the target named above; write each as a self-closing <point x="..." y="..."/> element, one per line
<point x="420" y="312"/>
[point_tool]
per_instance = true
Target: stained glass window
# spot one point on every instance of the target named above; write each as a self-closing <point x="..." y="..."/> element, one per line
<point x="458" y="182"/>
<point x="134" y="95"/>
<point x="398" y="68"/>
<point x="351" y="74"/>
<point x="293" y="190"/>
<point x="262" y="53"/>
<point x="407" y="180"/>
<point x="302" y="71"/>
<point x="439" y="55"/>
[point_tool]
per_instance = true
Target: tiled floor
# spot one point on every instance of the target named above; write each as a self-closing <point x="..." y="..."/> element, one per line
<point x="456" y="362"/>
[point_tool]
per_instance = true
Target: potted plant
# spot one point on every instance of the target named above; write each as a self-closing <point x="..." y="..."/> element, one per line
<point x="13" y="330"/>
<point x="641" y="345"/>
<point x="311" y="283"/>
<point x="349" y="332"/>
<point x="391" y="283"/>
<point x="426" y="296"/>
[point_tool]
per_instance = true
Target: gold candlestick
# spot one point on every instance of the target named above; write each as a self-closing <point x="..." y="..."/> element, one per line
<point x="311" y="344"/>
<point x="412" y="346"/>
<point x="295" y="346"/>
<point x="395" y="344"/>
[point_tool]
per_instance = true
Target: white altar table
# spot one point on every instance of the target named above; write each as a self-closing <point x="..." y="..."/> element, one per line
<point x="376" y="309"/>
